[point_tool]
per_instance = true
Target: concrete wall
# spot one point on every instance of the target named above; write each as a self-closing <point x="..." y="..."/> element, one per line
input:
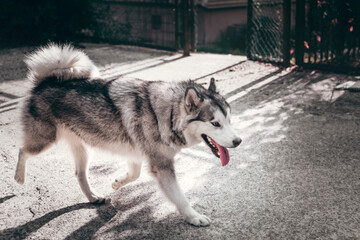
<point x="213" y="22"/>
<point x="135" y="24"/>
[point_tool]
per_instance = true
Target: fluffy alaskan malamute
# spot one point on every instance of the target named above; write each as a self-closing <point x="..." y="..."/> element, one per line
<point x="150" y="120"/>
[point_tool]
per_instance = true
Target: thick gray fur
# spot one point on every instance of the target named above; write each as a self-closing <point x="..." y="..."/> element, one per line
<point x="142" y="119"/>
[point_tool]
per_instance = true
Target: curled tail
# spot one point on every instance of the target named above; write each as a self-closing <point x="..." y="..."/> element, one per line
<point x="60" y="61"/>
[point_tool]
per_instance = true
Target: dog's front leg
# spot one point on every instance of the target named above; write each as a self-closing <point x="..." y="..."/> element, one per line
<point x="165" y="176"/>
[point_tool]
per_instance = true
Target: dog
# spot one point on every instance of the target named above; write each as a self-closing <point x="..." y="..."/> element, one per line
<point x="151" y="120"/>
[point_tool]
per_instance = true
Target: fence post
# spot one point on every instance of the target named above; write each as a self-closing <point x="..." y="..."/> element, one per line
<point x="186" y="29"/>
<point x="286" y="32"/>
<point x="249" y="28"/>
<point x="299" y="32"/>
<point x="177" y="25"/>
<point x="192" y="26"/>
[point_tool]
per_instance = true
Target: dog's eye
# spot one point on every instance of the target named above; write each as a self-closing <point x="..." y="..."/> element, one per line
<point x="215" y="124"/>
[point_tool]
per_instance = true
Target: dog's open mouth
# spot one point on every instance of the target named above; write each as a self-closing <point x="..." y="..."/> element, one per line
<point x="219" y="151"/>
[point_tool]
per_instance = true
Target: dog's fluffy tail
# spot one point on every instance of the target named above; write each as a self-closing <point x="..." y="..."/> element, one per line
<point x="60" y="61"/>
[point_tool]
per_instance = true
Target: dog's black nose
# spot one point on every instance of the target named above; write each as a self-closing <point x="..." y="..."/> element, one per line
<point x="237" y="142"/>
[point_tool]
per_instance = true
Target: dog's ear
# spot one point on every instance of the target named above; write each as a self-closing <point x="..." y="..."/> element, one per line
<point x="192" y="99"/>
<point x="212" y="87"/>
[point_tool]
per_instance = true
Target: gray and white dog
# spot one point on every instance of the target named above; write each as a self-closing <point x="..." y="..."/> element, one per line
<point x="150" y="120"/>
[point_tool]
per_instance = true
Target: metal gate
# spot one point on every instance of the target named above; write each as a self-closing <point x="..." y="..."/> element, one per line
<point x="328" y="34"/>
<point x="269" y="31"/>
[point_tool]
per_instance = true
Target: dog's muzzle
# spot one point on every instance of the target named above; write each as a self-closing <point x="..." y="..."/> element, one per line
<point x="218" y="150"/>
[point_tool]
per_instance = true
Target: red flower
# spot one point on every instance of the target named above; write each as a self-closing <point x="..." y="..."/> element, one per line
<point x="306" y="45"/>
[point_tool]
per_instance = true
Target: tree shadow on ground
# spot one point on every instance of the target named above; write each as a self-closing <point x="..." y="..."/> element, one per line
<point x="6" y="198"/>
<point x="108" y="215"/>
<point x="295" y="173"/>
<point x="105" y="213"/>
<point x="123" y="218"/>
<point x="296" y="87"/>
<point x="26" y="229"/>
<point x="265" y="109"/>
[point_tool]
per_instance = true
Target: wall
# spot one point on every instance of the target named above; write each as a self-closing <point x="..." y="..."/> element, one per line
<point x="213" y="22"/>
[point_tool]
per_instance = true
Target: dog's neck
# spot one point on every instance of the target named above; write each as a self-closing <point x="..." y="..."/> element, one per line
<point x="175" y="126"/>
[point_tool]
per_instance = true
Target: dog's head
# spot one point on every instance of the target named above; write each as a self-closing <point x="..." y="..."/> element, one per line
<point x="210" y="120"/>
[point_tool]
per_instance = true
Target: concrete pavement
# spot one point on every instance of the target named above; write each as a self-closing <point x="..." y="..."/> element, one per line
<point x="295" y="176"/>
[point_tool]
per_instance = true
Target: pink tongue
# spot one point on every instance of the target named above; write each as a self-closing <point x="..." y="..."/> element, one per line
<point x="224" y="154"/>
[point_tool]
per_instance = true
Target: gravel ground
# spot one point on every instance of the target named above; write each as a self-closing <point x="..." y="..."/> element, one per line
<point x="295" y="176"/>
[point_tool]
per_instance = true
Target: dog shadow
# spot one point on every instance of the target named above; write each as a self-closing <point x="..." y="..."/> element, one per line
<point x="105" y="213"/>
<point x="139" y="224"/>
<point x="23" y="231"/>
<point x="6" y="198"/>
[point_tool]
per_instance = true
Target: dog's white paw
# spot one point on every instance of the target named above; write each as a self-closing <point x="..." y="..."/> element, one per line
<point x="97" y="199"/>
<point x="119" y="182"/>
<point x="198" y="219"/>
<point x="20" y="177"/>
<point x="116" y="184"/>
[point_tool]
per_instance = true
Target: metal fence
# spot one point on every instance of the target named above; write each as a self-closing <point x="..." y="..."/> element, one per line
<point x="268" y="30"/>
<point x="329" y="34"/>
<point x="143" y="22"/>
<point x="326" y="33"/>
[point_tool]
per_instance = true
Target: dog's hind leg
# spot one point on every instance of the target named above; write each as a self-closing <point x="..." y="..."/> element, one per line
<point x="37" y="138"/>
<point x="20" y="167"/>
<point x="134" y="169"/>
<point x="81" y="170"/>
<point x="165" y="176"/>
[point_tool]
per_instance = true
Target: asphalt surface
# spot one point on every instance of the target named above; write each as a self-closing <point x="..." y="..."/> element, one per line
<point x="295" y="176"/>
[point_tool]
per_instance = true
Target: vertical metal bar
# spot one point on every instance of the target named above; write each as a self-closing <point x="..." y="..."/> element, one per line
<point x="331" y="39"/>
<point x="299" y="32"/>
<point x="286" y="32"/>
<point x="317" y="25"/>
<point x="324" y="47"/>
<point x="325" y="41"/>
<point x="192" y="26"/>
<point x="311" y="24"/>
<point x="340" y="46"/>
<point x="176" y="25"/>
<point x="249" y="28"/>
<point x="316" y="29"/>
<point x="186" y="29"/>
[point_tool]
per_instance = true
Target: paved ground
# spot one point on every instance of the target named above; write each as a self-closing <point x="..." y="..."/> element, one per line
<point x="295" y="176"/>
